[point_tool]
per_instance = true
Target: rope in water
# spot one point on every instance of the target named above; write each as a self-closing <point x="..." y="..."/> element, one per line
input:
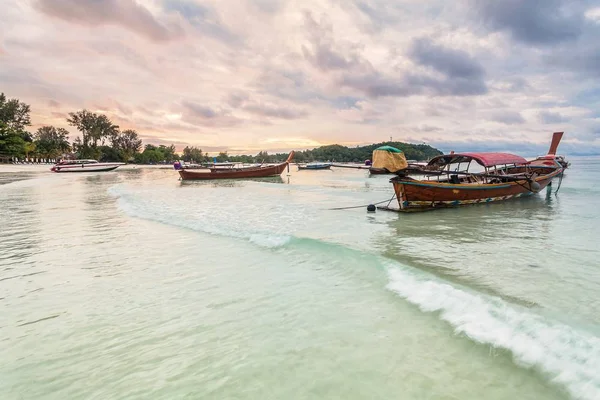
<point x="364" y="205"/>
<point x="560" y="181"/>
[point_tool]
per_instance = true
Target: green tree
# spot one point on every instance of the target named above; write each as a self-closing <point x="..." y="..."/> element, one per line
<point x="28" y="148"/>
<point x="193" y="154"/>
<point x="222" y="157"/>
<point x="127" y="143"/>
<point x="11" y="142"/>
<point x="14" y="117"/>
<point x="52" y="142"/>
<point x="155" y="155"/>
<point x="14" y="113"/>
<point x="109" y="154"/>
<point x="168" y="152"/>
<point x="94" y="128"/>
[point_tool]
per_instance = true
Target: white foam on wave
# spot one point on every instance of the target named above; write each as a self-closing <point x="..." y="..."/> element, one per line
<point x="171" y="213"/>
<point x="566" y="356"/>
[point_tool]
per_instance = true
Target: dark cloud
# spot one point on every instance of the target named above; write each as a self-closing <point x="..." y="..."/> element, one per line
<point x="536" y="22"/>
<point x="203" y="18"/>
<point x="198" y="114"/>
<point x="450" y="62"/>
<point x="547" y="117"/>
<point x="242" y="101"/>
<point x="236" y="99"/>
<point x="447" y="86"/>
<point x="583" y="59"/>
<point x="125" y="13"/>
<point x="507" y="117"/>
<point x="458" y="74"/>
<point x="376" y="85"/>
<point x="199" y="110"/>
<point x="53" y="104"/>
<point x="377" y="15"/>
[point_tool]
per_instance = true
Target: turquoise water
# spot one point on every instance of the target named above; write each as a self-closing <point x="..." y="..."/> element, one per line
<point x="132" y="284"/>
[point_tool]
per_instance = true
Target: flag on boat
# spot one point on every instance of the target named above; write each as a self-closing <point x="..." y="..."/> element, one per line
<point x="390" y="158"/>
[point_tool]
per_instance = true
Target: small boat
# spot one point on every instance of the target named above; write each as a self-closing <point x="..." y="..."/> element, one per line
<point x="556" y="137"/>
<point x="314" y="166"/>
<point x="84" y="166"/>
<point x="234" y="172"/>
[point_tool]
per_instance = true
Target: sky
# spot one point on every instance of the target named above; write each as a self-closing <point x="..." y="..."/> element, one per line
<point x="250" y="75"/>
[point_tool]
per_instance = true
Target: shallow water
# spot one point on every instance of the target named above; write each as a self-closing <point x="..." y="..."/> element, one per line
<point x="132" y="284"/>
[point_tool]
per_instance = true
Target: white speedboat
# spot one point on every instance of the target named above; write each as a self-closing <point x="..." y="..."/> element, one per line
<point x="84" y="166"/>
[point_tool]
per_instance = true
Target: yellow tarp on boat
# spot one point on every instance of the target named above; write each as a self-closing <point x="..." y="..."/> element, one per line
<point x="389" y="158"/>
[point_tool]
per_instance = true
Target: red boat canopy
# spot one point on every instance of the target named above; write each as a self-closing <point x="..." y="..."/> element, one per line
<point x="484" y="159"/>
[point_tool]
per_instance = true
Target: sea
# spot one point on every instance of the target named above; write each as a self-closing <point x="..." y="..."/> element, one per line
<point x="132" y="284"/>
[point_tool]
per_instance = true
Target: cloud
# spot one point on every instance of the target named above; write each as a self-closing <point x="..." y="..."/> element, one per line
<point x="547" y="117"/>
<point x="507" y="117"/>
<point x="195" y="71"/>
<point x="242" y="101"/>
<point x="322" y="53"/>
<point x="200" y="115"/>
<point x="450" y="62"/>
<point x="534" y="22"/>
<point x="274" y="111"/>
<point x="203" y="18"/>
<point x="455" y="73"/>
<point x="126" y="13"/>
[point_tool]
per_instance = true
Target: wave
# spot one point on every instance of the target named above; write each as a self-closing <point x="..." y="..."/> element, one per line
<point x="145" y="208"/>
<point x="566" y="356"/>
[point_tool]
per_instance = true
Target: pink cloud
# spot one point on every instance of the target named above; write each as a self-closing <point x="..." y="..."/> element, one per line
<point x="126" y="13"/>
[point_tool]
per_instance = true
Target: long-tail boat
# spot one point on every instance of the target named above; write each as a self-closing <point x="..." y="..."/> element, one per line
<point x="314" y="166"/>
<point x="446" y="181"/>
<point x="233" y="172"/>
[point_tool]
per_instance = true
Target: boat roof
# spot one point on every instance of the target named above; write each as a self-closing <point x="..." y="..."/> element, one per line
<point x="484" y="159"/>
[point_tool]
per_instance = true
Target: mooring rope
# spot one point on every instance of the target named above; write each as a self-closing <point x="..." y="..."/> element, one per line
<point x="559" y="182"/>
<point x="364" y="205"/>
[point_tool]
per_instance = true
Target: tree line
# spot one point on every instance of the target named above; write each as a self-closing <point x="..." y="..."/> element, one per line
<point x="339" y="153"/>
<point x="104" y="141"/>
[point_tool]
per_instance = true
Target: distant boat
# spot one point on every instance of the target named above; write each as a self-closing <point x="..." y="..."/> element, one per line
<point x="233" y="172"/>
<point x="84" y="166"/>
<point x="315" y="165"/>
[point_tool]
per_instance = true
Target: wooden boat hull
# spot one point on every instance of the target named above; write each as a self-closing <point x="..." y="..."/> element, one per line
<point x="379" y="171"/>
<point x="236" y="173"/>
<point x="416" y="195"/>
